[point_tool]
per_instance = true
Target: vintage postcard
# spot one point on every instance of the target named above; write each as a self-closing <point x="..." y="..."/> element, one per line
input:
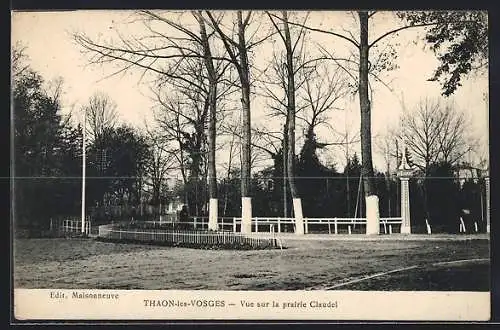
<point x="250" y="165"/>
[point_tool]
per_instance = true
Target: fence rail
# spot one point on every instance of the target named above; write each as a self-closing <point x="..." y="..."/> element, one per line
<point x="183" y="237"/>
<point x="334" y="225"/>
<point x="70" y="225"/>
<point x="388" y="225"/>
<point x="259" y="224"/>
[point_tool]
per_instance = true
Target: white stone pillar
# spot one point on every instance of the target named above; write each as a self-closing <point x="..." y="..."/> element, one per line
<point x="246" y="215"/>
<point x="299" y="218"/>
<point x="405" y="205"/>
<point x="372" y="215"/>
<point x="487" y="182"/>
<point x="212" y="214"/>
<point x="405" y="171"/>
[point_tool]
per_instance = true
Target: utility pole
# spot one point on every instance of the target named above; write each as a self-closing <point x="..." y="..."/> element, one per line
<point x="347" y="175"/>
<point x="84" y="167"/>
<point x="388" y="180"/>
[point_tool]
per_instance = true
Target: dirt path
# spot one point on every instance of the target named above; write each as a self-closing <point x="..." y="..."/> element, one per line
<point x="55" y="263"/>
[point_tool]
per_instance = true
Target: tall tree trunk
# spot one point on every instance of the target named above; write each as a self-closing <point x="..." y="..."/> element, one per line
<point x="290" y="110"/>
<point x="365" y="107"/>
<point x="372" y="211"/>
<point x="285" y="168"/>
<point x="212" y="174"/>
<point x="240" y="61"/>
<point x="212" y="104"/>
<point x="297" y="205"/>
<point x="246" y="207"/>
<point x="245" y="100"/>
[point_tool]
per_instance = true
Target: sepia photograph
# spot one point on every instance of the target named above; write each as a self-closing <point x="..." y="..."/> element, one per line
<point x="250" y="164"/>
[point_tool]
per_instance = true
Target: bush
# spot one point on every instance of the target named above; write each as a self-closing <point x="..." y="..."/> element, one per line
<point x="227" y="246"/>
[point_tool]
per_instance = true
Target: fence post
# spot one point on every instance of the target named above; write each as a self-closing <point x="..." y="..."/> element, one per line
<point x="307" y="225"/>
<point x="256" y="225"/>
<point x="279" y="224"/>
<point x="329" y="227"/>
<point x="234" y="225"/>
<point x="273" y="235"/>
<point x="349" y="229"/>
<point x="462" y="225"/>
<point x="428" y="227"/>
<point x="336" y="226"/>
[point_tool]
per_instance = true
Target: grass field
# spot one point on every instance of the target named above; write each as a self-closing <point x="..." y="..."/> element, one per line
<point x="305" y="264"/>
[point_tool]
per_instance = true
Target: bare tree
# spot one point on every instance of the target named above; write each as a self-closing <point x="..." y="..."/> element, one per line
<point x="232" y="131"/>
<point x="286" y="68"/>
<point x="290" y="46"/>
<point x="388" y="146"/>
<point x="161" y="161"/>
<point x="320" y="93"/>
<point x="172" y="46"/>
<point x="213" y="78"/>
<point x="201" y="49"/>
<point x="436" y="132"/>
<point x="237" y="48"/>
<point x="455" y="137"/>
<point x="101" y="115"/>
<point x="299" y="87"/>
<point x="365" y="68"/>
<point x="18" y="60"/>
<point x="182" y="118"/>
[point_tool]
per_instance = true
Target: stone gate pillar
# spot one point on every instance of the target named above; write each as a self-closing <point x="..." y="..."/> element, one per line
<point x="405" y="205"/>
<point x="487" y="182"/>
<point x="404" y="172"/>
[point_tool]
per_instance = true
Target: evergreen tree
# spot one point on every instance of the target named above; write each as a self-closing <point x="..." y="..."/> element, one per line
<point x="46" y="155"/>
<point x="117" y="162"/>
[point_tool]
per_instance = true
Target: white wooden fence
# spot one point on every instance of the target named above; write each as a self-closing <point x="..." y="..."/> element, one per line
<point x="184" y="237"/>
<point x="333" y="225"/>
<point x="70" y="225"/>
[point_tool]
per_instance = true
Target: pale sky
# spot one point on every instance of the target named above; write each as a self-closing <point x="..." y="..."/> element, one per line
<point x="47" y="36"/>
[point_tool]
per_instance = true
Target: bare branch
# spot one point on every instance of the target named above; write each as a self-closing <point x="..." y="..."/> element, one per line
<point x="354" y="42"/>
<point x="388" y="33"/>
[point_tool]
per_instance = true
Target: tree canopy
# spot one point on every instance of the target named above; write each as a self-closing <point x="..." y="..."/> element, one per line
<point x="458" y="38"/>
